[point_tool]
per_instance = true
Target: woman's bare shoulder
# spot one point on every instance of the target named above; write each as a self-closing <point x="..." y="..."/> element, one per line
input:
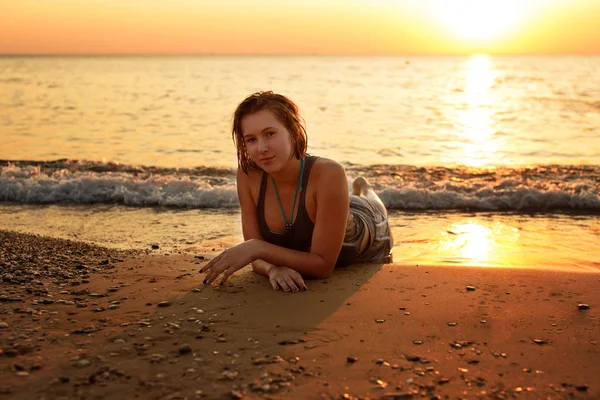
<point x="248" y="178"/>
<point x="328" y="168"/>
<point x="248" y="185"/>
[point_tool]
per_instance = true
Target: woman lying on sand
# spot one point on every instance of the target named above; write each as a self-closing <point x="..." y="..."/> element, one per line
<point x="298" y="218"/>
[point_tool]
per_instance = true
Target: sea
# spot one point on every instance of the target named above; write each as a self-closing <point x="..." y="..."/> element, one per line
<point x="482" y="161"/>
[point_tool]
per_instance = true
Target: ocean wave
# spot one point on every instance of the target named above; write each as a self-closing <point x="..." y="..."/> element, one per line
<point x="110" y="183"/>
<point x="537" y="188"/>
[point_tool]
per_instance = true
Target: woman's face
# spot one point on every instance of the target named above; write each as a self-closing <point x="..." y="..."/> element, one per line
<point x="268" y="142"/>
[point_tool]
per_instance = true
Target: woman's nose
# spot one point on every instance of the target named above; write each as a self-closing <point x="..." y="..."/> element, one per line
<point x="262" y="145"/>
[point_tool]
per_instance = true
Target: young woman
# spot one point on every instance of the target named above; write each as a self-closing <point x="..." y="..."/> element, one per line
<point x="298" y="217"/>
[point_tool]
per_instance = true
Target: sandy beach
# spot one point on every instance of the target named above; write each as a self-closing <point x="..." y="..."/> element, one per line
<point x="84" y="322"/>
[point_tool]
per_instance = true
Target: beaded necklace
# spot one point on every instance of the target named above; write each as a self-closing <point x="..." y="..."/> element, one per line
<point x="288" y="225"/>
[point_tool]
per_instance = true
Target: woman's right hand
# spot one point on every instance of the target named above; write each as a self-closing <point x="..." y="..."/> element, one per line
<point x="286" y="279"/>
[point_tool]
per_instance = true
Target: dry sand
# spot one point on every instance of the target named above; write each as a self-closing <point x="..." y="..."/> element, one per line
<point x="82" y="322"/>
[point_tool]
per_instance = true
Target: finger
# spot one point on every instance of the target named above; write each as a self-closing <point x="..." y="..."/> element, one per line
<point x="299" y="281"/>
<point x="214" y="272"/>
<point x="207" y="266"/>
<point x="228" y="272"/>
<point x="283" y="285"/>
<point x="212" y="263"/>
<point x="209" y="272"/>
<point x="291" y="283"/>
<point x="274" y="284"/>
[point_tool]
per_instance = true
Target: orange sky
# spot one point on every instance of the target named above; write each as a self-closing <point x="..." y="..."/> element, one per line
<point x="299" y="27"/>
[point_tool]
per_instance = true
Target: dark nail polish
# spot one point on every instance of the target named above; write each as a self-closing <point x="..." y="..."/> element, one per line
<point x="295" y="289"/>
<point x="206" y="282"/>
<point x="304" y="289"/>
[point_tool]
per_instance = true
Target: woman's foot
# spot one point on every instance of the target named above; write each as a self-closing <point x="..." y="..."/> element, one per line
<point x="360" y="187"/>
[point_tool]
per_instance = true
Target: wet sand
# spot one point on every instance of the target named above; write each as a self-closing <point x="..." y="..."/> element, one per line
<point x="84" y="322"/>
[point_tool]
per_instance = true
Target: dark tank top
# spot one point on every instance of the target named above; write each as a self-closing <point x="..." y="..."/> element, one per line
<point x="300" y="237"/>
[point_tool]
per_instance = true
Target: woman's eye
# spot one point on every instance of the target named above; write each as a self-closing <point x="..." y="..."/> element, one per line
<point x="270" y="133"/>
<point x="250" y="140"/>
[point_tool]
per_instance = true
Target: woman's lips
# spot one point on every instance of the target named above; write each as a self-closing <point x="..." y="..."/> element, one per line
<point x="266" y="159"/>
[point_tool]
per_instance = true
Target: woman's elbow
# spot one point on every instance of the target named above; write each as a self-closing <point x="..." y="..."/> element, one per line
<point x="323" y="273"/>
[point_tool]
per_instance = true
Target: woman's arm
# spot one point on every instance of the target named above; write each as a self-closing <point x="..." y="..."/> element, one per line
<point x="249" y="219"/>
<point x="262" y="267"/>
<point x="332" y="202"/>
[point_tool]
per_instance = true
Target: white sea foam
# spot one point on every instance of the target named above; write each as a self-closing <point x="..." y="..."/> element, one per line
<point x="518" y="199"/>
<point x="29" y="185"/>
<point x="542" y="188"/>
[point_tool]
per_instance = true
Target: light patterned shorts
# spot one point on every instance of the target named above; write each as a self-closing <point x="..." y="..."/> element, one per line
<point x="365" y="217"/>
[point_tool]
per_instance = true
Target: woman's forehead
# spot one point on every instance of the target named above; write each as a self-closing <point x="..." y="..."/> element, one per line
<point x="256" y="122"/>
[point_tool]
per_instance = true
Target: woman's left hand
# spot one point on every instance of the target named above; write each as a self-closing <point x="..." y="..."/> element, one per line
<point x="230" y="261"/>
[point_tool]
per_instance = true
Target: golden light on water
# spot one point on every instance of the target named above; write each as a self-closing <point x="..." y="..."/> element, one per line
<point x="476" y="120"/>
<point x="475" y="243"/>
<point x="469" y="241"/>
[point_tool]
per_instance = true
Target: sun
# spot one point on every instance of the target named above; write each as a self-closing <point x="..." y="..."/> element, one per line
<point x="480" y="20"/>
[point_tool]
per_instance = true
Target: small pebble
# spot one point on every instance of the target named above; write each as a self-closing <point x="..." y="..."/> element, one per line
<point x="185" y="349"/>
<point x="164" y="304"/>
<point x="3" y="325"/>
<point x="582" y="388"/>
<point x="470" y="288"/>
<point x="83" y="363"/>
<point x="351" y="360"/>
<point x="236" y="394"/>
<point x="583" y="306"/>
<point x="380" y="384"/>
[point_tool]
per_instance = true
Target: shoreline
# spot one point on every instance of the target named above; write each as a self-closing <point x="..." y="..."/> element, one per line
<point x="554" y="241"/>
<point x="92" y="324"/>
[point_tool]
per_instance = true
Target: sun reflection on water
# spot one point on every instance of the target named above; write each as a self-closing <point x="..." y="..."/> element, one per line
<point x="476" y="244"/>
<point x="497" y="240"/>
<point x="476" y="123"/>
<point x="468" y="241"/>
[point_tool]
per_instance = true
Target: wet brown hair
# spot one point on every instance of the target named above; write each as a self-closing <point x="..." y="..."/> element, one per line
<point x="286" y="112"/>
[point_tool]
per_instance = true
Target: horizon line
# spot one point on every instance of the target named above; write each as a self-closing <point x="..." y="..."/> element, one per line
<point x="291" y="54"/>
